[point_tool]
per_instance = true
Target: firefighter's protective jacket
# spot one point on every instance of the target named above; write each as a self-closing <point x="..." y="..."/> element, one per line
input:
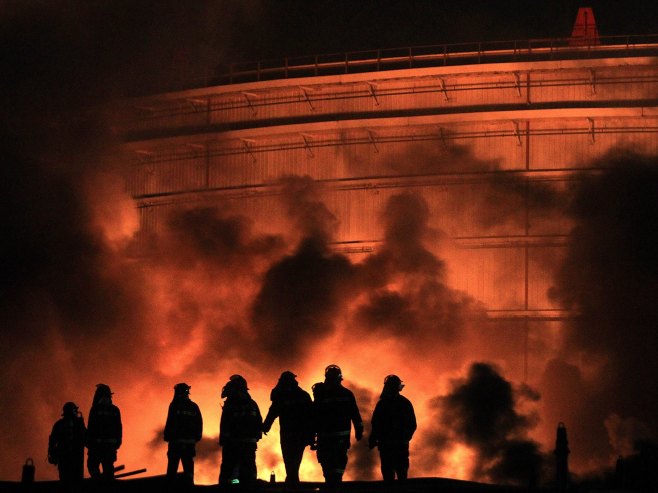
<point x="104" y="428"/>
<point x="335" y="412"/>
<point x="184" y="422"/>
<point x="241" y="421"/>
<point x="393" y="420"/>
<point x="294" y="407"/>
<point x="67" y="439"/>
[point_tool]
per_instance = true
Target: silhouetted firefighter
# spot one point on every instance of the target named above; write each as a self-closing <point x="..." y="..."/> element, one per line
<point x="104" y="434"/>
<point x="182" y="431"/>
<point x="66" y="445"/>
<point x="393" y="426"/>
<point x="335" y="412"/>
<point x="561" y="458"/>
<point x="240" y="428"/>
<point x="293" y="407"/>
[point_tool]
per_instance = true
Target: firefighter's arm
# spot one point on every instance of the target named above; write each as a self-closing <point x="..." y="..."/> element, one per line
<point x="52" y="450"/>
<point x="358" y="422"/>
<point x="119" y="429"/>
<point x="272" y="414"/>
<point x="199" y="430"/>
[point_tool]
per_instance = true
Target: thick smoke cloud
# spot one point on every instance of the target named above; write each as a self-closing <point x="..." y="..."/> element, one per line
<point x="302" y="294"/>
<point x="609" y="277"/>
<point x="407" y="294"/>
<point x="481" y="412"/>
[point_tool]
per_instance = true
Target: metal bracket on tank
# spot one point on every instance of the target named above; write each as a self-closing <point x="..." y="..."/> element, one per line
<point x="372" y="88"/>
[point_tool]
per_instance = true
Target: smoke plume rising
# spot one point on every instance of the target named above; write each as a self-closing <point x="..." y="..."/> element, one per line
<point x="216" y="295"/>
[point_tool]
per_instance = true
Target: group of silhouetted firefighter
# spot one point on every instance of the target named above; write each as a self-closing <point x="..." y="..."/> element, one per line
<point x="323" y="423"/>
<point x="102" y="437"/>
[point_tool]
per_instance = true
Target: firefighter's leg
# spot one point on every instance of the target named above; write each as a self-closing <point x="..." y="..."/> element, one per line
<point x="247" y="464"/>
<point x="173" y="458"/>
<point x="402" y="461"/>
<point x="93" y="463"/>
<point x="188" y="467"/>
<point x="387" y="463"/>
<point x="229" y="464"/>
<point x="108" y="459"/>
<point x="292" y="451"/>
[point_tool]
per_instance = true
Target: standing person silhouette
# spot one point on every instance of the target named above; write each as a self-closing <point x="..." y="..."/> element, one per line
<point x="293" y="406"/>
<point x="183" y="430"/>
<point x="104" y="434"/>
<point x="335" y="413"/>
<point x="240" y="428"/>
<point x="393" y="426"/>
<point x="66" y="445"/>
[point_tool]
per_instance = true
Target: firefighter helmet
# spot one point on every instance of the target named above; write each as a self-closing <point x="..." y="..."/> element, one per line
<point x="182" y="388"/>
<point x="236" y="383"/>
<point x="103" y="390"/>
<point x="69" y="408"/>
<point x="287" y="376"/>
<point x="333" y="372"/>
<point x="239" y="382"/>
<point x="393" y="382"/>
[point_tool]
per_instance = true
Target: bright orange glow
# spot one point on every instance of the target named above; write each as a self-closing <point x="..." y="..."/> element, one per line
<point x="458" y="463"/>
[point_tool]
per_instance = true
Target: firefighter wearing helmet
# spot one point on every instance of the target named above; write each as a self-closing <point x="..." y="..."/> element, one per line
<point x="104" y="434"/>
<point x="393" y="425"/>
<point x="336" y="412"/>
<point x="66" y="445"/>
<point x="240" y="429"/>
<point x="183" y="430"/>
<point x="293" y="406"/>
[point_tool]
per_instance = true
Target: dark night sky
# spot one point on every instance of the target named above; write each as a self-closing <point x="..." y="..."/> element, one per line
<point x="131" y="46"/>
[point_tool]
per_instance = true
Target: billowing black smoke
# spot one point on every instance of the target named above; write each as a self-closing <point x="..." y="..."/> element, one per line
<point x="481" y="412"/>
<point x="422" y="307"/>
<point x="302" y="294"/>
<point x="610" y="277"/>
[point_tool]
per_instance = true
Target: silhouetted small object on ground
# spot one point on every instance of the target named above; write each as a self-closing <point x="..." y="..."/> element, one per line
<point x="561" y="458"/>
<point x="183" y="430"/>
<point x="335" y="411"/>
<point x="104" y="434"/>
<point x="620" y="473"/>
<point x="66" y="445"/>
<point x="393" y="426"/>
<point x="638" y="471"/>
<point x="293" y="406"/>
<point x="240" y="428"/>
<point x="27" y="476"/>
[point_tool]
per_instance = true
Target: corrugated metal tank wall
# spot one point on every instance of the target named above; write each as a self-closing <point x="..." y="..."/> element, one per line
<point x="464" y="138"/>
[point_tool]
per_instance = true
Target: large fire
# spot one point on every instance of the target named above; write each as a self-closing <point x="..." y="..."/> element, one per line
<point x="88" y="298"/>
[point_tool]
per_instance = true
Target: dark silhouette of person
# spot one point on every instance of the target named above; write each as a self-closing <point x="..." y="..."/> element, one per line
<point x="182" y="431"/>
<point x="240" y="428"/>
<point x="393" y="426"/>
<point x="293" y="406"/>
<point x="335" y="412"/>
<point x="66" y="445"/>
<point x="104" y="434"/>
